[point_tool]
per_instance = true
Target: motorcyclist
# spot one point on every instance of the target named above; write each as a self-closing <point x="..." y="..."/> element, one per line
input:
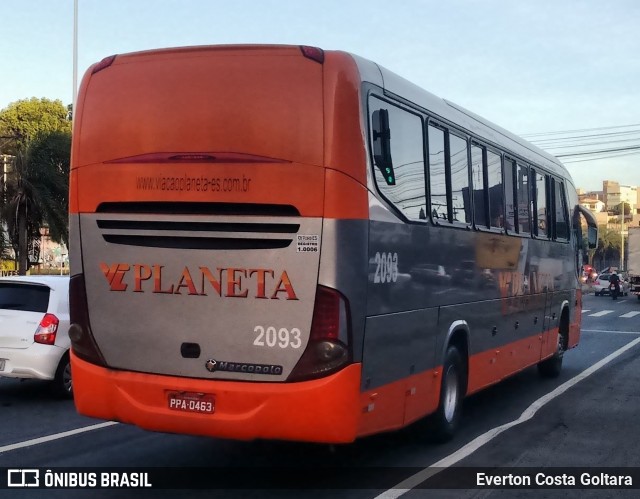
<point x="614" y="285"/>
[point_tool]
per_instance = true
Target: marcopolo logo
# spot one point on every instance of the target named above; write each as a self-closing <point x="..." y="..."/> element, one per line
<point x="241" y="367"/>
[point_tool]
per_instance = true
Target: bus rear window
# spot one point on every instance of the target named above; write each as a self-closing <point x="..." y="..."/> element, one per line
<point x="24" y="297"/>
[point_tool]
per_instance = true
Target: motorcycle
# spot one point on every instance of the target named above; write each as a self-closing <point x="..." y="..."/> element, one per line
<point x="615" y="290"/>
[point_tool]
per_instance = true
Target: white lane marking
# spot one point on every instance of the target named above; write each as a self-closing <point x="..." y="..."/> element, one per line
<point x="628" y="315"/>
<point x="585" y="310"/>
<point x="601" y="313"/>
<point x="56" y="436"/>
<point x="608" y="331"/>
<point x="415" y="480"/>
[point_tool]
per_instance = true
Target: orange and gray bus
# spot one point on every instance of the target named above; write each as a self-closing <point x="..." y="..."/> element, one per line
<point x="282" y="242"/>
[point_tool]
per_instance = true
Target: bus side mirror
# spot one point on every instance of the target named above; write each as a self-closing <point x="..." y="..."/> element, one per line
<point x="592" y="237"/>
<point x="592" y="226"/>
<point x="382" y="145"/>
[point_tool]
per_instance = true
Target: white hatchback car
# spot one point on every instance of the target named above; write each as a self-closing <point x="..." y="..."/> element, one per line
<point x="34" y="330"/>
<point x="601" y="285"/>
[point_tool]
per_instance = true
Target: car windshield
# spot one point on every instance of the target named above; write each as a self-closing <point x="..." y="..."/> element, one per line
<point x="24" y="297"/>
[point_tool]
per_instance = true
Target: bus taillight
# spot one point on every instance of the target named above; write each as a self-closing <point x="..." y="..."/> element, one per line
<point x="103" y="64"/>
<point x="328" y="348"/>
<point x="313" y="53"/>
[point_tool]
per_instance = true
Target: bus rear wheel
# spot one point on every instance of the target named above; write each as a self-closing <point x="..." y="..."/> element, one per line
<point x="552" y="367"/>
<point x="446" y="420"/>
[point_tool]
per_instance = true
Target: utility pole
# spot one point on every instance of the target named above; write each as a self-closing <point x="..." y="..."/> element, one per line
<point x="622" y="237"/>
<point x="75" y="57"/>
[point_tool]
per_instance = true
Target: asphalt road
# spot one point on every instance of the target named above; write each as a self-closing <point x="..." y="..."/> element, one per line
<point x="519" y="424"/>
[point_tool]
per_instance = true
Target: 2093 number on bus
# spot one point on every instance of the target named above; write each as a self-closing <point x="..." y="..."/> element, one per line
<point x="386" y="268"/>
<point x="272" y="337"/>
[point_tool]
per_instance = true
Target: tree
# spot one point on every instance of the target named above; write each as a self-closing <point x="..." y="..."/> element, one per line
<point x="38" y="133"/>
<point x="609" y="245"/>
<point x="24" y="120"/>
<point x="4" y="244"/>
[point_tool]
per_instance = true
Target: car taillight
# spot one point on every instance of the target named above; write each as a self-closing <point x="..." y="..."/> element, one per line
<point x="47" y="329"/>
<point x="328" y="348"/>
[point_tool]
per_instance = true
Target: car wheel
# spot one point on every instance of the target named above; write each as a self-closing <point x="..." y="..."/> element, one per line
<point x="62" y="383"/>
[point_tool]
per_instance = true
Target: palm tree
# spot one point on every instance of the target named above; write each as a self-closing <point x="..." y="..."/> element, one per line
<point x="37" y="194"/>
<point x="4" y="244"/>
<point x="609" y="244"/>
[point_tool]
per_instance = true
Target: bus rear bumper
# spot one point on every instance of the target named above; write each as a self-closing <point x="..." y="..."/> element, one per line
<point x="322" y="410"/>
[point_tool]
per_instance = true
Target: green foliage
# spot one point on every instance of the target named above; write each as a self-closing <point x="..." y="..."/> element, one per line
<point x="38" y="133"/>
<point x="627" y="209"/>
<point x="24" y="120"/>
<point x="50" y="157"/>
<point x="4" y="244"/>
<point x="609" y="246"/>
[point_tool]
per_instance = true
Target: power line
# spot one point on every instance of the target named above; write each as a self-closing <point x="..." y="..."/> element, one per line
<point x="614" y="141"/>
<point x="631" y="148"/>
<point x="577" y="131"/>
<point x="601" y="157"/>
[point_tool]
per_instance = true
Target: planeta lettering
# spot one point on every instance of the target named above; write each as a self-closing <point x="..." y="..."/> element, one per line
<point x="225" y="282"/>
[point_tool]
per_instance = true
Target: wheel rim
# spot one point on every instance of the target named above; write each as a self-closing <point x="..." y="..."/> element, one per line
<point x="66" y="378"/>
<point x="450" y="393"/>
<point x="560" y="347"/>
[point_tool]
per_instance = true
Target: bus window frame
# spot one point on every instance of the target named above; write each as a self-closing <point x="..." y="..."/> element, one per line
<point x="375" y="93"/>
<point x="486" y="149"/>
<point x="465" y="138"/>
<point x="485" y="190"/>
<point x="559" y="183"/>
<point x="534" y="171"/>
<point x="436" y="124"/>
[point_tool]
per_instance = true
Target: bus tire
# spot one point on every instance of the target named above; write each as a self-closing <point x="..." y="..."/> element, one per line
<point x="551" y="367"/>
<point x="446" y="420"/>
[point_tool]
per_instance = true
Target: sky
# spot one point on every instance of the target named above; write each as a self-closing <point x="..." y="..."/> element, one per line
<point x="530" y="66"/>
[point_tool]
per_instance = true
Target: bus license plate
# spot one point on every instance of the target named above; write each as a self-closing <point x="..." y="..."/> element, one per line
<point x="202" y="403"/>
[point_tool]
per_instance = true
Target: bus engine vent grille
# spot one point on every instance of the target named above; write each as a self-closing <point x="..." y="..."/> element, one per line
<point x="205" y="233"/>
<point x="196" y="208"/>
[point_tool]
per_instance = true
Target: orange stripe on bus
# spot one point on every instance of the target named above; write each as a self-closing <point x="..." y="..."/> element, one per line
<point x="493" y="365"/>
<point x="576" y="321"/>
<point x="397" y="404"/>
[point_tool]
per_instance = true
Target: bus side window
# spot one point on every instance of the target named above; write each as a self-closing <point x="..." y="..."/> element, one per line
<point x="561" y="212"/>
<point x="437" y="174"/>
<point x="398" y="150"/>
<point x="510" y="193"/>
<point x="382" y="144"/>
<point x="496" y="194"/>
<point x="459" y="171"/>
<point x="478" y="180"/>
<point x="540" y="204"/>
<point x="522" y="192"/>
